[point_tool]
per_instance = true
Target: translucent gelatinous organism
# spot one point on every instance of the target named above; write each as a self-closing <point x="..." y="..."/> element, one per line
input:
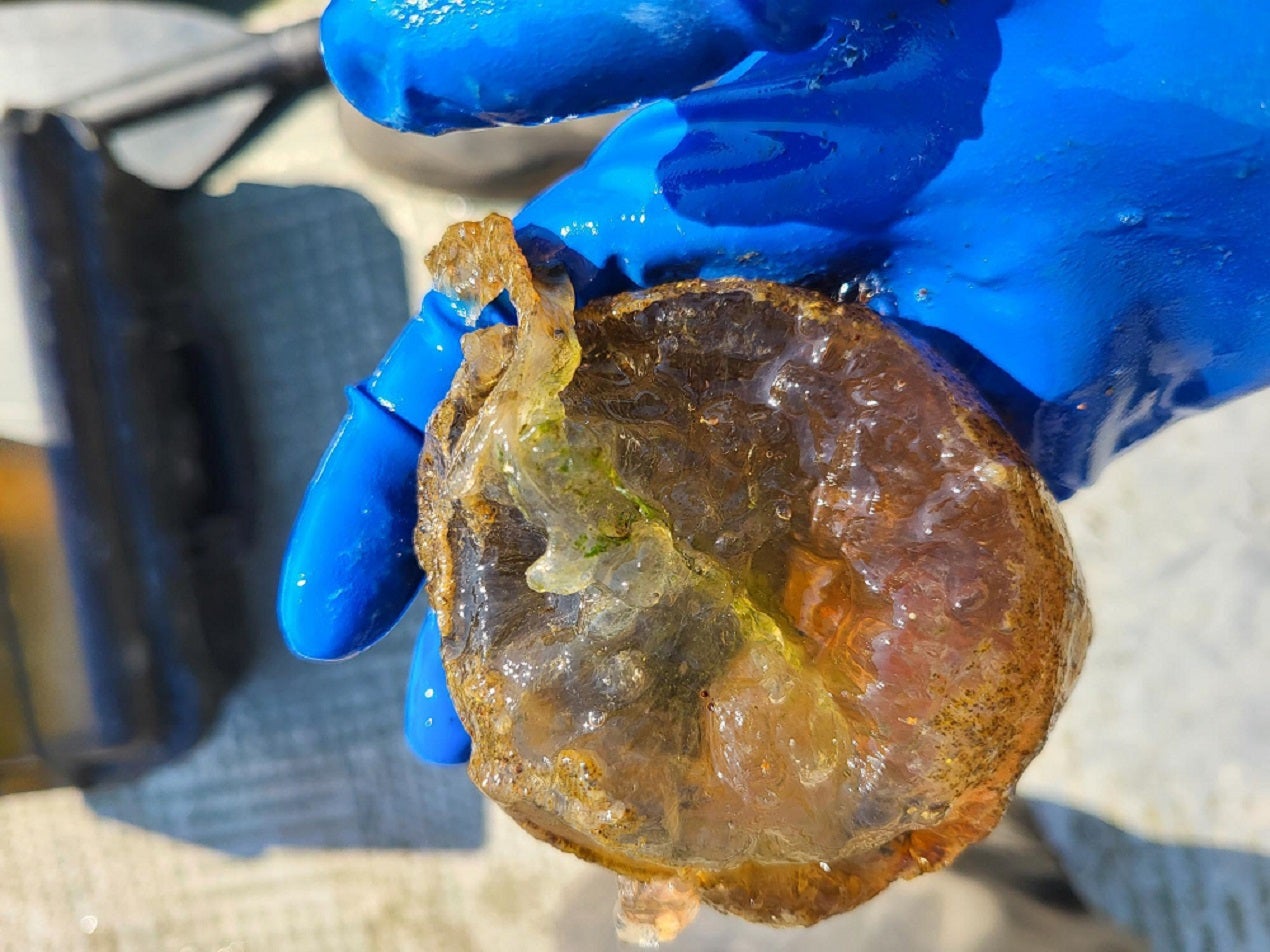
<point x="742" y="595"/>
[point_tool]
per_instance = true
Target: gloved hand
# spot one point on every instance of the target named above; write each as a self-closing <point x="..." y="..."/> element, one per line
<point x="1070" y="200"/>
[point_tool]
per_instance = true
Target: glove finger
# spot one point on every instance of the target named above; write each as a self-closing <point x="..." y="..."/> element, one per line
<point x="432" y="67"/>
<point x="433" y="729"/>
<point x="350" y="570"/>
<point x="417" y="370"/>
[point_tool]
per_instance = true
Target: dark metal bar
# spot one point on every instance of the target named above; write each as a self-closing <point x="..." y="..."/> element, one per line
<point x="289" y="56"/>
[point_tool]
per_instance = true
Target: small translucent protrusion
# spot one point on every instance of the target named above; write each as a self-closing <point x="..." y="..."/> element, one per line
<point x="648" y="914"/>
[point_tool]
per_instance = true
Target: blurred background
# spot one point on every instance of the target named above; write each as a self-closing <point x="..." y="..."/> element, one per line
<point x="240" y="799"/>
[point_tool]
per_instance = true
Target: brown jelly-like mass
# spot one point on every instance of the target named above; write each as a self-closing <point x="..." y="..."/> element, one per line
<point x="738" y="588"/>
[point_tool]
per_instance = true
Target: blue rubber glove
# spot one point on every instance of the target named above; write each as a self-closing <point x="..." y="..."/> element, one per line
<point x="1070" y="200"/>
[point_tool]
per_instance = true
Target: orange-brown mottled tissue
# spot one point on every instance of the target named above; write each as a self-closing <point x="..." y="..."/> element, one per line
<point x="743" y="595"/>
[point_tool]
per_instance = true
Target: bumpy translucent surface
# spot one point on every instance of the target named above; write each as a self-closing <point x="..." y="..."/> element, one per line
<point x="736" y="589"/>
